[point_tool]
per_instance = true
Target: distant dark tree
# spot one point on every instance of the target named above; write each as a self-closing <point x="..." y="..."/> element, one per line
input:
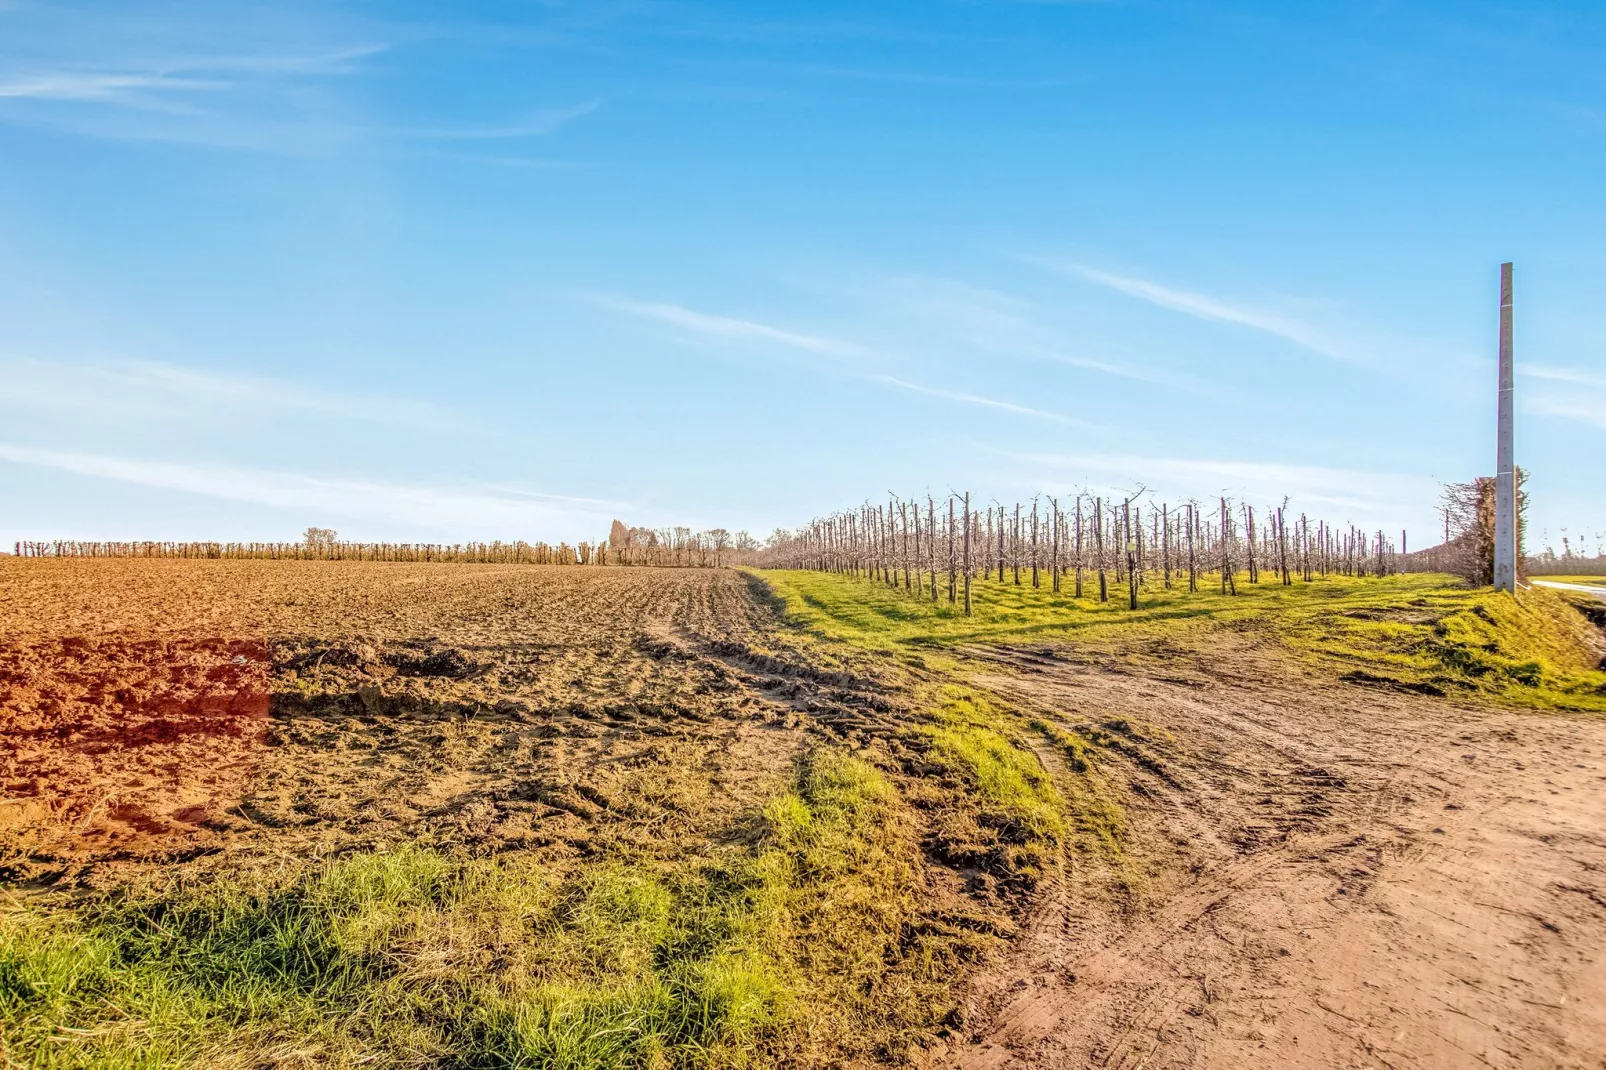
<point x="1469" y="514"/>
<point x="719" y="541"/>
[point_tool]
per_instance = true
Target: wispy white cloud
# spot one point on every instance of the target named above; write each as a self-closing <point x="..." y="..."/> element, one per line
<point x="183" y="80"/>
<point x="945" y="313"/>
<point x="1362" y="493"/>
<point x="1133" y="372"/>
<point x="459" y="512"/>
<point x="1592" y="412"/>
<point x="729" y="327"/>
<point x="542" y="122"/>
<point x="167" y="81"/>
<point x="977" y="399"/>
<point x="953" y="81"/>
<point x="1554" y="374"/>
<point x="1203" y="306"/>
<point x="132" y="89"/>
<point x="139" y="83"/>
<point x="145" y="389"/>
<point x="1570" y="393"/>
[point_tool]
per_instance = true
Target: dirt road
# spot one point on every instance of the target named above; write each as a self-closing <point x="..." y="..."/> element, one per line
<point x="1598" y="591"/>
<point x="1319" y="875"/>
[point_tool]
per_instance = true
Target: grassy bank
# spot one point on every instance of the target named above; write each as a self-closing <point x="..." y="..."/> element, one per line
<point x="1419" y="632"/>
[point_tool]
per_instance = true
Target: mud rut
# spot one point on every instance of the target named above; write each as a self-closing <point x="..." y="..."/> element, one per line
<point x="1320" y="875"/>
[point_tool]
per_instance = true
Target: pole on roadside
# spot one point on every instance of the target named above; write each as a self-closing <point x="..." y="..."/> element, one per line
<point x="1505" y="491"/>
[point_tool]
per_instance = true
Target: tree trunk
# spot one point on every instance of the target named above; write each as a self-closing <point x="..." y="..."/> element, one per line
<point x="1098" y="547"/>
<point x="1078" y="545"/>
<point x="952" y="564"/>
<point x="967" y="553"/>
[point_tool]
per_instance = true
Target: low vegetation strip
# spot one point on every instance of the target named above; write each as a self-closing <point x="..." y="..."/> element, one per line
<point x="1417" y="632"/>
<point x="798" y="939"/>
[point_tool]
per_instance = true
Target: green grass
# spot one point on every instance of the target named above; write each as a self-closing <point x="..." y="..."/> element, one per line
<point x="1095" y="814"/>
<point x="1417" y="632"/>
<point x="1011" y="818"/>
<point x="1587" y="581"/>
<point x="794" y="939"/>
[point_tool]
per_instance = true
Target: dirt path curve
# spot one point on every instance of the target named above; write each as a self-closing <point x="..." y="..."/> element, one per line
<point x="1330" y="877"/>
<point x="1588" y="588"/>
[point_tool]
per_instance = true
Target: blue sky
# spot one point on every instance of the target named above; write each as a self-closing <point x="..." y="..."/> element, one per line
<point x="440" y="272"/>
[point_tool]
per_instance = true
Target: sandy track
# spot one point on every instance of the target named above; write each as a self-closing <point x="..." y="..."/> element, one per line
<point x="1326" y="876"/>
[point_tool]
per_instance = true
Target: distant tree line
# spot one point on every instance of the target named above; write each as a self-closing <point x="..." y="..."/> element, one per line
<point x="489" y="553"/>
<point x="678" y="547"/>
<point x="1088" y="541"/>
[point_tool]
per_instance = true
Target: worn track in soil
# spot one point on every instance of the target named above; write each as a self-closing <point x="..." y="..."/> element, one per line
<point x="1319" y="875"/>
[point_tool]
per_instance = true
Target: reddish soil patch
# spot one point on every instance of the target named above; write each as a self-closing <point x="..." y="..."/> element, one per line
<point x="121" y="744"/>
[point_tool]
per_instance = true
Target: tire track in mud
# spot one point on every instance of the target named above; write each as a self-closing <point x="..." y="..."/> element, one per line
<point x="1332" y="876"/>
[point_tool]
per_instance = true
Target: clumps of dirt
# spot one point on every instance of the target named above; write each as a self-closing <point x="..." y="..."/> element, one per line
<point x="309" y="655"/>
<point x="124" y="745"/>
<point x="450" y="662"/>
<point x="378" y="676"/>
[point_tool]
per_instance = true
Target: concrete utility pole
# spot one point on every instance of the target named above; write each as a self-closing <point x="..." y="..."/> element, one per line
<point x="1505" y="487"/>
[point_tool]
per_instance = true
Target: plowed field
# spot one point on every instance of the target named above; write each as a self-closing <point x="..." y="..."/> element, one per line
<point x="162" y="711"/>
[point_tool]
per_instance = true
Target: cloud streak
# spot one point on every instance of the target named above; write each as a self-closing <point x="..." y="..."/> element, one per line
<point x="729" y="327"/>
<point x="462" y="512"/>
<point x="1554" y="374"/>
<point x="1592" y="413"/>
<point x="99" y="87"/>
<point x="183" y="91"/>
<point x="542" y="122"/>
<point x="133" y="83"/>
<point x="1569" y="393"/>
<point x="1202" y="306"/>
<point x="1363" y="492"/>
<point x="948" y="313"/>
<point x="142" y="388"/>
<point x="977" y="399"/>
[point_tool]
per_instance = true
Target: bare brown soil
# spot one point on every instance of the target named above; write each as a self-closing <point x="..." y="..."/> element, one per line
<point x="115" y="743"/>
<point x="1315" y="875"/>
<point x="166" y="711"/>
